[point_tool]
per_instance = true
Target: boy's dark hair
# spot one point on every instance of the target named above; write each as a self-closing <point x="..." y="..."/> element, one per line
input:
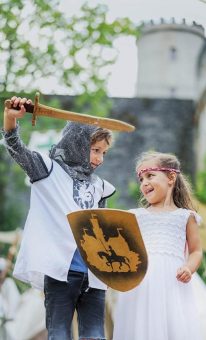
<point x="101" y="134"/>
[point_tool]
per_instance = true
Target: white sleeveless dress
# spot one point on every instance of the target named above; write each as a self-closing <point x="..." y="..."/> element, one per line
<point x="160" y="308"/>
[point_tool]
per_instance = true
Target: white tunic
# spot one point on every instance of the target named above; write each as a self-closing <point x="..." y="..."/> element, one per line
<point x="48" y="244"/>
<point x="161" y="307"/>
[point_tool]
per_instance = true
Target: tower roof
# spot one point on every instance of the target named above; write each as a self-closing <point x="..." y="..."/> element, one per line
<point x="172" y="25"/>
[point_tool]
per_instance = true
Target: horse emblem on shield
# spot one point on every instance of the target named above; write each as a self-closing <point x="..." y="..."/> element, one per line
<point x="111" y="244"/>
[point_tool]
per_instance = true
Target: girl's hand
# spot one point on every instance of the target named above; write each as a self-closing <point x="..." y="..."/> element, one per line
<point x="184" y="274"/>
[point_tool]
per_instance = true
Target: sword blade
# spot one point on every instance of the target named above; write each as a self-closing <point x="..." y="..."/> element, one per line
<point x="113" y="124"/>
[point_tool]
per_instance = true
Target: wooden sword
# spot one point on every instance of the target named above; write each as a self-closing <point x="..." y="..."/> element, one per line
<point x="42" y="110"/>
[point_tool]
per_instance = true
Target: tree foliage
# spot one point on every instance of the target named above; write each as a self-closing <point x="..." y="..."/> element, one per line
<point x="38" y="42"/>
<point x="200" y="186"/>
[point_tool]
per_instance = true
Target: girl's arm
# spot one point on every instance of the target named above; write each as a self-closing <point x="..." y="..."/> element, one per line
<point x="184" y="273"/>
<point x="30" y="161"/>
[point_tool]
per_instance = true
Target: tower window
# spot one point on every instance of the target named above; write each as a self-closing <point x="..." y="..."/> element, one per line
<point x="173" y="53"/>
<point x="172" y="91"/>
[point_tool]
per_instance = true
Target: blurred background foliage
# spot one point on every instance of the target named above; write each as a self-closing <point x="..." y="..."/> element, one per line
<point x="200" y="190"/>
<point x="74" y="53"/>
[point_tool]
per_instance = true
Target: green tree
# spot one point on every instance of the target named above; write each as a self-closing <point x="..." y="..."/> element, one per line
<point x="75" y="53"/>
<point x="201" y="186"/>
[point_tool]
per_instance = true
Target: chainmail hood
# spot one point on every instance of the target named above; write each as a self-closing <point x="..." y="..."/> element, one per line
<point x="72" y="152"/>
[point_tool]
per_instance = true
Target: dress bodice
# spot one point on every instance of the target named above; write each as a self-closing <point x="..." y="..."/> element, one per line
<point x="164" y="232"/>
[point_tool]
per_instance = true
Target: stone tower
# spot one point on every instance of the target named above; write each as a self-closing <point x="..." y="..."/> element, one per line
<point x="168" y="53"/>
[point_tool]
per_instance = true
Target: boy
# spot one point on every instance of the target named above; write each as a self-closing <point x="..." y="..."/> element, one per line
<point x="48" y="258"/>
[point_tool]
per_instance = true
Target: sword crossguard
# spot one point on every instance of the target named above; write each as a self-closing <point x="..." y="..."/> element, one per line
<point x="36" y="103"/>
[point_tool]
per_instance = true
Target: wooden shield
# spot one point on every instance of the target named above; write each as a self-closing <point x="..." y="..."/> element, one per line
<point x="111" y="245"/>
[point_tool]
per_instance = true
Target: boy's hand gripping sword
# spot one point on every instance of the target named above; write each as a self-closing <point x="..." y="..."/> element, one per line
<point x="42" y="110"/>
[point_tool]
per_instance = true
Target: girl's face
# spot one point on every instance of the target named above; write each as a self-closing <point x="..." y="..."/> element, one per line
<point x="156" y="186"/>
<point x="97" y="153"/>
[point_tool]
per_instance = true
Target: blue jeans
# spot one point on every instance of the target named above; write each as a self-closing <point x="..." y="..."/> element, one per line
<point x="61" y="300"/>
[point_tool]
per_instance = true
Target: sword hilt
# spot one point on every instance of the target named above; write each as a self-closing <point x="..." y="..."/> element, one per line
<point x="28" y="107"/>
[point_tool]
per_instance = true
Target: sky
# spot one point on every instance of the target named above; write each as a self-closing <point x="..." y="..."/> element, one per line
<point x="123" y="79"/>
<point x="138" y="10"/>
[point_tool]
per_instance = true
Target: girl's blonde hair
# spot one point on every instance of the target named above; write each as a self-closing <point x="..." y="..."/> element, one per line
<point x="182" y="192"/>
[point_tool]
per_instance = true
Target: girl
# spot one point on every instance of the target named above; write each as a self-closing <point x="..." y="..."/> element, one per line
<point x="163" y="306"/>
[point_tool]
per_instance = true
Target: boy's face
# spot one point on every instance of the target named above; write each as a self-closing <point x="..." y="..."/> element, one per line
<point x="97" y="152"/>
